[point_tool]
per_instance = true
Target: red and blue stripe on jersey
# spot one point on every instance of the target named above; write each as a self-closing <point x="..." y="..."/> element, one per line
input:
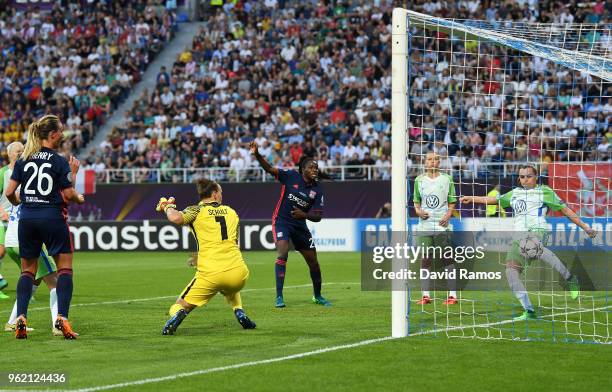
<point x="296" y="193"/>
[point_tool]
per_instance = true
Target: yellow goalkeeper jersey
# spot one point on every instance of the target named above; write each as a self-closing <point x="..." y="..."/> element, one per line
<point x="215" y="227"/>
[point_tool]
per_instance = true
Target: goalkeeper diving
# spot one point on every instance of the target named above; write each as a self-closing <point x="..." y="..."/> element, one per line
<point x="530" y="203"/>
<point x="220" y="266"/>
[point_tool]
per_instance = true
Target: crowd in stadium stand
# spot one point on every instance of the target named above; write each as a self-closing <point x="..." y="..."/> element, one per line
<point x="313" y="78"/>
<point x="475" y="105"/>
<point x="78" y="60"/>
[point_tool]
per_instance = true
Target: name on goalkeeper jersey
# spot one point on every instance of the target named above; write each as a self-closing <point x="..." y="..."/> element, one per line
<point x="220" y="211"/>
<point x="459" y="254"/>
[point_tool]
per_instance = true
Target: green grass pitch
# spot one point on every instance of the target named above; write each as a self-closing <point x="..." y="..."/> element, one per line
<point x="121" y="301"/>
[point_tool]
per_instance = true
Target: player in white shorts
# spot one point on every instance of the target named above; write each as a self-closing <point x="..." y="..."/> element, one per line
<point x="530" y="203"/>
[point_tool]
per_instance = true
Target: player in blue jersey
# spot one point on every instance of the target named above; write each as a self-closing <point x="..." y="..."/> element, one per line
<point x="301" y="198"/>
<point x="46" y="186"/>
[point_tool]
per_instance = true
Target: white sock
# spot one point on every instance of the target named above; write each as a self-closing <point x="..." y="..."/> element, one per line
<point x="425" y="282"/>
<point x="523" y="298"/>
<point x="53" y="306"/>
<point x="452" y="293"/>
<point x="518" y="288"/>
<point x="13" y="318"/>
<point x="551" y="259"/>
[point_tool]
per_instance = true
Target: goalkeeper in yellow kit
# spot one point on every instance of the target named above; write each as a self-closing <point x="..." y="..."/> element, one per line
<point x="220" y="266"/>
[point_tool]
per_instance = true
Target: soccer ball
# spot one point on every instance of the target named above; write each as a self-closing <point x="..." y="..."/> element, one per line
<point x="530" y="247"/>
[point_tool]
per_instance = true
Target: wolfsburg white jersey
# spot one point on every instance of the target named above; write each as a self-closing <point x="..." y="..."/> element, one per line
<point x="434" y="196"/>
<point x="5" y="176"/>
<point x="11" y="238"/>
<point x="530" y="206"/>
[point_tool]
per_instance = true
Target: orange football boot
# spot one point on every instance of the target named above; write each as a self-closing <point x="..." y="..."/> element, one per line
<point x="64" y="325"/>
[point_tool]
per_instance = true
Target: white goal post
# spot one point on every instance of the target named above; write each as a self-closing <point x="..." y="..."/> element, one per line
<point x="399" y="125"/>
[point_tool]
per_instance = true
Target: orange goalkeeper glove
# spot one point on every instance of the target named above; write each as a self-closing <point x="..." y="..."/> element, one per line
<point x="164" y="204"/>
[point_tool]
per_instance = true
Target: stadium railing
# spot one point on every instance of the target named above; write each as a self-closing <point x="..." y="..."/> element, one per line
<point x="225" y="174"/>
<point x="339" y="173"/>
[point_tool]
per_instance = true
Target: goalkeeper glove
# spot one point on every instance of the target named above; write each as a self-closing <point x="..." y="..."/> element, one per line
<point x="164" y="204"/>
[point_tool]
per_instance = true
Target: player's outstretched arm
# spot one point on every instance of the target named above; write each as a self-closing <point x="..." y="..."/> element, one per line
<point x="174" y="216"/>
<point x="262" y="161"/>
<point x="571" y="215"/>
<point x="478" y="199"/>
<point x="168" y="206"/>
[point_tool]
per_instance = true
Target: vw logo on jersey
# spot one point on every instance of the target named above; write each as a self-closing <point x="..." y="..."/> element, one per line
<point x="432" y="201"/>
<point x="520" y="206"/>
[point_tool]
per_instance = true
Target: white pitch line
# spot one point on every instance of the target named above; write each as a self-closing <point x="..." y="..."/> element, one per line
<point x="293" y="356"/>
<point x="125" y="301"/>
<point x="222" y="368"/>
<point x="236" y="366"/>
<point x="290" y="357"/>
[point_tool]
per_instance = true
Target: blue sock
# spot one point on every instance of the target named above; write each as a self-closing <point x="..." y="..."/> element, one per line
<point x="279" y="268"/>
<point x="315" y="275"/>
<point x="64" y="291"/>
<point x="24" y="292"/>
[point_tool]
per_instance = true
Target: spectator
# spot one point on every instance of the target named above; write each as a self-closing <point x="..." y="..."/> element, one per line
<point x="75" y="64"/>
<point x="384" y="211"/>
<point x="251" y="75"/>
<point x="383" y="168"/>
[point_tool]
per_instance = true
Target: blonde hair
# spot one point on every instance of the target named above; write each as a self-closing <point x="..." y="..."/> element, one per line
<point x="38" y="131"/>
<point x="12" y="146"/>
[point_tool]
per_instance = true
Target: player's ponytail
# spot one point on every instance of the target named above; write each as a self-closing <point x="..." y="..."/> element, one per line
<point x="37" y="132"/>
<point x="33" y="144"/>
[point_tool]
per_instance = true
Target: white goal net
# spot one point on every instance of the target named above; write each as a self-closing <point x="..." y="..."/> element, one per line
<point x="488" y="99"/>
